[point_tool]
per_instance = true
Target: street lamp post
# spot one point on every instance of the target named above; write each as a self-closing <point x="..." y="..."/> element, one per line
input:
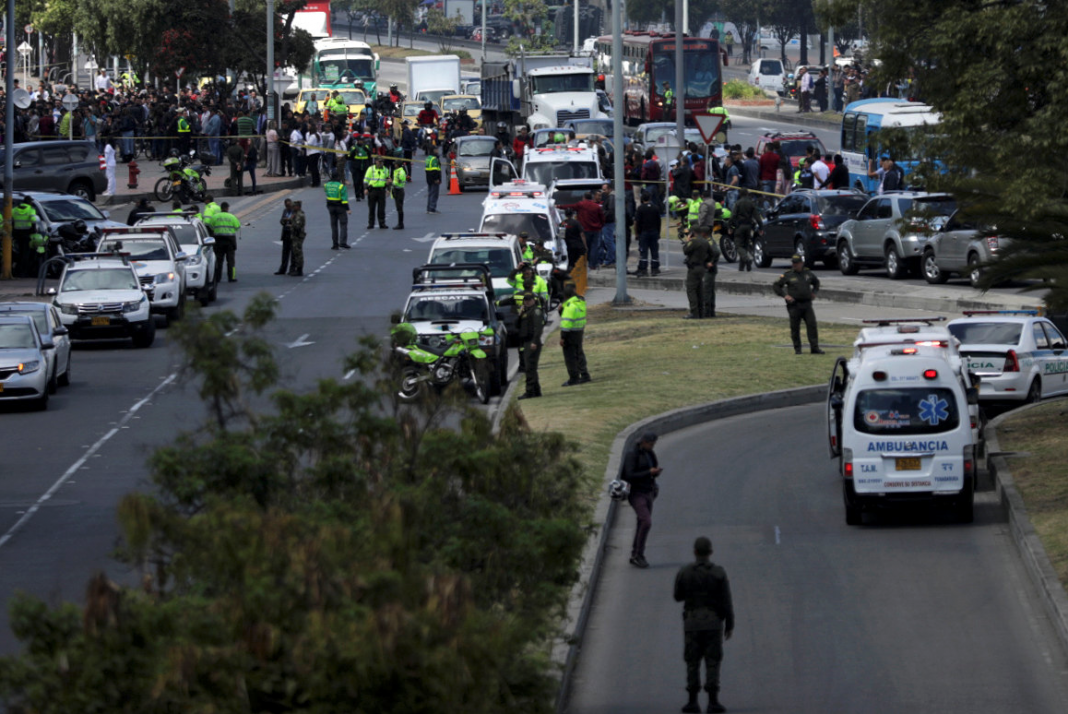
<point x="617" y="152"/>
<point x="9" y="141"/>
<point x="270" y="61"/>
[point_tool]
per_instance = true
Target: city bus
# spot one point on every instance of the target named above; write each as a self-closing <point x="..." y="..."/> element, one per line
<point x="861" y="145"/>
<point x="649" y="61"/>
<point x="341" y="63"/>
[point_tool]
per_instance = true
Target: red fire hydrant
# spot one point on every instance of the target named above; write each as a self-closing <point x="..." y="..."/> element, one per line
<point x="134" y="171"/>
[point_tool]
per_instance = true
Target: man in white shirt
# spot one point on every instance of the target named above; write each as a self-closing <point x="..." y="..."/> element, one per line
<point x="102" y="81"/>
<point x="805" y="104"/>
<point x="821" y="173"/>
<point x="296" y="140"/>
<point x="109" y="163"/>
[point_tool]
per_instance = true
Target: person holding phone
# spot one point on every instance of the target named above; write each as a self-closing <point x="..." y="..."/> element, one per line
<point x="640" y="470"/>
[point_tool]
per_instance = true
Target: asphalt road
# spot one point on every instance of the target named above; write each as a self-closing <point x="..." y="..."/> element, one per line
<point x="59" y="489"/>
<point x="912" y="614"/>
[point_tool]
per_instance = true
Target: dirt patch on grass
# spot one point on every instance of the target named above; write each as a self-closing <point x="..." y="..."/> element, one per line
<point x="644" y="363"/>
<point x="1042" y="476"/>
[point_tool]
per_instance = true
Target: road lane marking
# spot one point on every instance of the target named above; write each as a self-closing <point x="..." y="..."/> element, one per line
<point x="778" y="536"/>
<point x="80" y="463"/>
<point x="300" y="342"/>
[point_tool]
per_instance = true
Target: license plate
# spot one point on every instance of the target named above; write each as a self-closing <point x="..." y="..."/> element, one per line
<point x="1" y="388"/>
<point x="176" y="183"/>
<point x="101" y="321"/>
<point x="911" y="463"/>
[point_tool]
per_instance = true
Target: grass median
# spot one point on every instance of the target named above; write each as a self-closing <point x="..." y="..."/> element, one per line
<point x="1042" y="475"/>
<point x="644" y="362"/>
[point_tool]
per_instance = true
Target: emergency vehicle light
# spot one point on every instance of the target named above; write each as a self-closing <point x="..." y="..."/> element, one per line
<point x="904" y="351"/>
<point x="932" y="343"/>
<point x="930" y="374"/>
<point x="879" y="376"/>
<point x="1032" y="313"/>
<point x="887" y="321"/>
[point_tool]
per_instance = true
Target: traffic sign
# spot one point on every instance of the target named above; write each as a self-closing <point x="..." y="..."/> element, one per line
<point x="28" y="29"/>
<point x="178" y="72"/>
<point x="709" y="125"/>
<point x="70" y="102"/>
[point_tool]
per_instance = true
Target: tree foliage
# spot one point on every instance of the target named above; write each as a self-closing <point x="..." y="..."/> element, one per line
<point x="335" y="553"/>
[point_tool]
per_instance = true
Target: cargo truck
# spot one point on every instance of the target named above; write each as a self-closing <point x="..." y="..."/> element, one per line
<point x="539" y="90"/>
<point x="433" y="77"/>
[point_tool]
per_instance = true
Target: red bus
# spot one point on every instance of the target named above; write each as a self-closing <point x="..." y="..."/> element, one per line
<point x="649" y="61"/>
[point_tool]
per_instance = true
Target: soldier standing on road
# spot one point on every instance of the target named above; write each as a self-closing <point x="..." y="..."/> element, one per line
<point x="699" y="261"/>
<point x="708" y="620"/>
<point x="297" y="224"/>
<point x="236" y="155"/>
<point x="640" y="470"/>
<point x="572" y="328"/>
<point x="337" y="204"/>
<point x="225" y="227"/>
<point x="399" y="181"/>
<point x="708" y="309"/>
<point x="287" y="236"/>
<point x="531" y="325"/>
<point x="746" y="220"/>
<point x="374" y="181"/>
<point x="799" y="286"/>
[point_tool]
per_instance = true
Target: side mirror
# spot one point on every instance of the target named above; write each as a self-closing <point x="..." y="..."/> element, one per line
<point x="209" y="241"/>
<point x="106" y="214"/>
<point x="48" y="345"/>
<point x="50" y="291"/>
<point x="60" y="331"/>
<point x="181" y="256"/>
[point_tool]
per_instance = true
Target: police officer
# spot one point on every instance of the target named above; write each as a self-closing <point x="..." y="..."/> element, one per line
<point x="210" y="209"/>
<point x="286" y="222"/>
<point x="433" y="178"/>
<point x="374" y="181"/>
<point x="531" y="325"/>
<point x="297" y="223"/>
<point x="358" y="158"/>
<point x="699" y="261"/>
<point x="707" y="620"/>
<point x="525" y="279"/>
<point x="746" y="219"/>
<point x="798" y="286"/>
<point x="236" y="155"/>
<point x="23" y="225"/>
<point x="337" y="205"/>
<point x="693" y="209"/>
<point x="708" y="310"/>
<point x="185" y="131"/>
<point x="572" y="328"/>
<point x="225" y="227"/>
<point x="399" y="181"/>
<point x="669" y="99"/>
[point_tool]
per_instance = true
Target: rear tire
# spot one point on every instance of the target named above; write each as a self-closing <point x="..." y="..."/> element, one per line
<point x="854" y="516"/>
<point x="82" y="189"/>
<point x="1034" y="392"/>
<point x="896" y="269"/>
<point x="931" y="272"/>
<point x="846" y="264"/>
<point x="496" y="381"/>
<point x="760" y="254"/>
<point x="975" y="272"/>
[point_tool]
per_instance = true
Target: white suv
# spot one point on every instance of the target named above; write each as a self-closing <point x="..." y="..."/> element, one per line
<point x="196" y="242"/>
<point x="497" y="251"/>
<point x="159" y="263"/>
<point x="100" y="297"/>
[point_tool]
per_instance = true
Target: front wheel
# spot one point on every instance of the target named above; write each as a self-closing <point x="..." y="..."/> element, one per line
<point x="846" y="264"/>
<point x="479" y="384"/>
<point x="975" y="270"/>
<point x="932" y="272"/>
<point x="760" y="254"/>
<point x="146" y="336"/>
<point x="164" y="189"/>
<point x="411" y="384"/>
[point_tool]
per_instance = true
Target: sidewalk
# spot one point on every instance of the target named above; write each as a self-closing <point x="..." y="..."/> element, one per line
<point x="151" y="172"/>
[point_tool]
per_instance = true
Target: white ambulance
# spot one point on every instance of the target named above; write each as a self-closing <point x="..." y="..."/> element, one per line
<point x="899" y="424"/>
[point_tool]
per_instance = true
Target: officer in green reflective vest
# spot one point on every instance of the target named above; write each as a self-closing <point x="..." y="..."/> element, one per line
<point x="693" y="213"/>
<point x="185" y="130"/>
<point x="374" y="181"/>
<point x="23" y="225"/>
<point x="669" y="100"/>
<point x="337" y="205"/>
<point x="358" y="157"/>
<point x="433" y="179"/>
<point x="572" y="328"/>
<point x="400" y="180"/>
<point x="525" y="248"/>
<point x="210" y="209"/>
<point x="525" y="279"/>
<point x="225" y="227"/>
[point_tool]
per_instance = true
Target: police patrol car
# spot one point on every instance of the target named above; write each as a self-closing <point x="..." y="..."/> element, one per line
<point x="520" y="206"/>
<point x="899" y="424"/>
<point x="547" y="164"/>
<point x="159" y="262"/>
<point x="1019" y="355"/>
<point x="100" y="297"/>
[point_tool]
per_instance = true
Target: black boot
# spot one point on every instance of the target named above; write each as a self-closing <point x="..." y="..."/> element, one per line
<point x="714" y="707"/>
<point x="692" y="705"/>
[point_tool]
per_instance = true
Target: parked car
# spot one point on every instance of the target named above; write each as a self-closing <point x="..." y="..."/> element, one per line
<point x="24" y="361"/>
<point x="806" y="223"/>
<point x="767" y="73"/>
<point x="891" y="231"/>
<point x="793" y="144"/>
<point x="960" y="247"/>
<point x="60" y="165"/>
<point x="196" y="242"/>
<point x="59" y="209"/>
<point x="46" y="318"/>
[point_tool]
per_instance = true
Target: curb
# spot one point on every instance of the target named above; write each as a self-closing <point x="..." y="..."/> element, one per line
<point x="221" y="192"/>
<point x="834" y="294"/>
<point x="1032" y="553"/>
<point x="788" y="117"/>
<point x="568" y="646"/>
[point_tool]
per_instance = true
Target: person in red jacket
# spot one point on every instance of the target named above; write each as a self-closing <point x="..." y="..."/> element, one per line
<point x="769" y="165"/>
<point x="590" y="215"/>
<point x="519" y="145"/>
<point x="427" y="116"/>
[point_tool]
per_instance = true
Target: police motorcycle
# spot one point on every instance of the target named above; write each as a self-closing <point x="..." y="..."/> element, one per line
<point x="459" y="358"/>
<point x="183" y="180"/>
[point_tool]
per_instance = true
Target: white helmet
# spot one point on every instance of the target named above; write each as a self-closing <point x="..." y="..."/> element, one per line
<point x="619" y="490"/>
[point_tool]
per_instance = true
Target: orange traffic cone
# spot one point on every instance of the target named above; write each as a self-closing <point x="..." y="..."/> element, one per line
<point x="454" y="183"/>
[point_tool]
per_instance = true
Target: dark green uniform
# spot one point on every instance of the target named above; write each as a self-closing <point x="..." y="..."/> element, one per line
<point x="802" y="286"/>
<point x="297" y="224"/>
<point x="699" y="256"/>
<point x="531" y="325"/>
<point x="707" y="613"/>
<point x="236" y="155"/>
<point x="746" y="219"/>
<point x="710" y="277"/>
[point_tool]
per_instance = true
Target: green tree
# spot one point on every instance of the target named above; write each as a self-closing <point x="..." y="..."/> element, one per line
<point x="444" y="28"/>
<point x="337" y="553"/>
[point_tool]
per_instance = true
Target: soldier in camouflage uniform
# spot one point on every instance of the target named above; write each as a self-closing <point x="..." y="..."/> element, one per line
<point x="708" y="620"/>
<point x="296" y="225"/>
<point x="701" y="256"/>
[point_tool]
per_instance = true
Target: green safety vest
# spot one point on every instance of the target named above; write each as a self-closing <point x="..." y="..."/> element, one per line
<point x="725" y="212"/>
<point x="400" y="177"/>
<point x="695" y="210"/>
<point x="433" y="164"/>
<point x="668" y="96"/>
<point x="358" y="153"/>
<point x="225" y="224"/>
<point x="336" y="193"/>
<point x="540" y="287"/>
<point x="528" y="253"/>
<point x="376" y="177"/>
<point x="38" y="242"/>
<point x="338" y="106"/>
<point x="23" y="217"/>
<point x="210" y="210"/>
<point x="573" y="316"/>
<point x="183" y="125"/>
<point x="720" y="110"/>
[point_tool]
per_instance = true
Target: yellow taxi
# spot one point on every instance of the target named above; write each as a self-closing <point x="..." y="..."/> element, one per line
<point x="456" y="102"/>
<point x="354" y="98"/>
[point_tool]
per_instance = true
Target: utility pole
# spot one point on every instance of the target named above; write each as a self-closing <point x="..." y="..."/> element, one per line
<point x="9" y="140"/>
<point x="617" y="153"/>
<point x="270" y="61"/>
<point x="575" y="48"/>
<point x="680" y="79"/>
<point x="485" y="12"/>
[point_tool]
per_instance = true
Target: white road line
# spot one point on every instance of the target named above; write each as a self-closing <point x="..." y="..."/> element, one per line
<point x="778" y="536"/>
<point x="348" y="375"/>
<point x="80" y="462"/>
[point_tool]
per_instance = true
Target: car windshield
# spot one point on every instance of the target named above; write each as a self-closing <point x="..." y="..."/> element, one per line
<point x="924" y="410"/>
<point x="104" y="279"/>
<point x="593" y="126"/>
<point x="70" y="209"/>
<point x="455" y="104"/>
<point x="140" y="249"/>
<point x="346" y="69"/>
<point x="447" y="307"/>
<point x="552" y="84"/>
<point x="841" y="205"/>
<point x="545" y="172"/>
<point x="536" y="225"/>
<point x="476" y="147"/>
<point x="770" y="67"/>
<point x="701" y="73"/>
<point x="498" y="260"/>
<point x="799" y="147"/>
<point x="186" y="233"/>
<point x="39" y="318"/>
<point x="655" y="133"/>
<point x="930" y="207"/>
<point x="16" y="337"/>
<point x="987" y="333"/>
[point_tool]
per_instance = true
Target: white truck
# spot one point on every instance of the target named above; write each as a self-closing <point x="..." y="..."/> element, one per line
<point x="433" y="77"/>
<point x="540" y="91"/>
